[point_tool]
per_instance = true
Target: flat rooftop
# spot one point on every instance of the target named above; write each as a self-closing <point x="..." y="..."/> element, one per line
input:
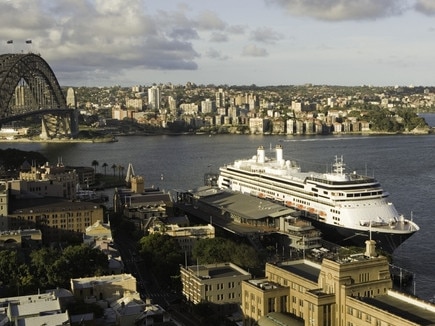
<point x="245" y="206"/>
<point x="421" y="313"/>
<point x="48" y="204"/>
<point x="217" y="270"/>
<point x="87" y="282"/>
<point x="302" y="269"/>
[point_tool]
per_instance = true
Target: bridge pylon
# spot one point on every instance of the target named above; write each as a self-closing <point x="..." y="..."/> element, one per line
<point x="55" y="125"/>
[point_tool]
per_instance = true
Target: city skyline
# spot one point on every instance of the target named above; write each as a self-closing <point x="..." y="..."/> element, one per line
<point x="262" y="42"/>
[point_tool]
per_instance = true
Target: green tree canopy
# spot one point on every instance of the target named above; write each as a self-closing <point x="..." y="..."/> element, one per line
<point x="164" y="255"/>
<point x="218" y="250"/>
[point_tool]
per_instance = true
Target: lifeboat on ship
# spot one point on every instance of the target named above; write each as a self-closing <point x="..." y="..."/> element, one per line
<point x="289" y="204"/>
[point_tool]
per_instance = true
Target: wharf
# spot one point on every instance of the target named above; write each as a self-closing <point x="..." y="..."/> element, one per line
<point x="239" y="214"/>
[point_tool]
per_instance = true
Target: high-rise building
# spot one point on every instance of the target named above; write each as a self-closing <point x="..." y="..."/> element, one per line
<point x="154" y="98"/>
<point x="220" y="98"/>
<point x="207" y="106"/>
<point x="172" y="105"/>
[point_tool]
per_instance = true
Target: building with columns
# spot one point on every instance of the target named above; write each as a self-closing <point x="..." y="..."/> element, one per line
<point x="340" y="291"/>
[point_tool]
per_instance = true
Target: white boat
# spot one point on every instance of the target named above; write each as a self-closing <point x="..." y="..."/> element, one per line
<point x="348" y="208"/>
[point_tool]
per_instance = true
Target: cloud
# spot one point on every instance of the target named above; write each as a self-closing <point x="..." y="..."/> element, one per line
<point x="102" y="35"/>
<point x="341" y="10"/>
<point x="215" y="54"/>
<point x="252" y="50"/>
<point x="426" y="7"/>
<point x="208" y="20"/>
<point x="219" y="37"/>
<point x="265" y="35"/>
<point x="184" y="33"/>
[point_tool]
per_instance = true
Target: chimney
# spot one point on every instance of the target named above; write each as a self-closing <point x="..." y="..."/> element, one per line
<point x="370" y="248"/>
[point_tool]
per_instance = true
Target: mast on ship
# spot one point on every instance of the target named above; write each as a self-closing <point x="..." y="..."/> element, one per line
<point x="339" y="165"/>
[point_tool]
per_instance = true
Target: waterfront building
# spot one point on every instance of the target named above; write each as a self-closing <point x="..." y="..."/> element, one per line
<point x="343" y="290"/>
<point x="219" y="284"/>
<point x="257" y="125"/>
<point x="46" y="180"/>
<point x="278" y="126"/>
<point x="290" y="126"/>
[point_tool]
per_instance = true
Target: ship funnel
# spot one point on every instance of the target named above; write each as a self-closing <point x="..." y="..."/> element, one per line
<point x="260" y="155"/>
<point x="279" y="158"/>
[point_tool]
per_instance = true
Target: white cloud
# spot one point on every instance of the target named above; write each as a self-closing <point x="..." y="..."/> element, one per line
<point x="219" y="37"/>
<point x="265" y="35"/>
<point x="426" y="7"/>
<point x="215" y="54"/>
<point x="339" y="10"/>
<point x="252" y="50"/>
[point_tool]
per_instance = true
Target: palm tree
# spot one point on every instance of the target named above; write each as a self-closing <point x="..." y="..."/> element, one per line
<point x="120" y="168"/>
<point x="104" y="166"/>
<point x="95" y="164"/>
<point x="114" y="166"/>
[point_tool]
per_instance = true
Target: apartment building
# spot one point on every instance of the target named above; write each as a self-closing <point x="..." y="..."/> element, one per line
<point x="219" y="284"/>
<point x="57" y="218"/>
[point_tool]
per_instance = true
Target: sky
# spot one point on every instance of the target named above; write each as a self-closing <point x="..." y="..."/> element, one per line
<point x="232" y="42"/>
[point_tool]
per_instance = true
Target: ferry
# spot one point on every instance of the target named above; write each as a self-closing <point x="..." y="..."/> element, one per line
<point x="348" y="208"/>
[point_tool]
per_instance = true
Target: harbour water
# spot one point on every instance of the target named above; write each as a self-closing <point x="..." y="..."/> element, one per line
<point x="404" y="165"/>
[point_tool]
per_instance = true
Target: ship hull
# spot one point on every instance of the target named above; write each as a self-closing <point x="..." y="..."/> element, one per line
<point x="387" y="242"/>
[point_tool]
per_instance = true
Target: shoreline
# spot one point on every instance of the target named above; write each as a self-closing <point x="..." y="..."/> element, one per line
<point x="114" y="139"/>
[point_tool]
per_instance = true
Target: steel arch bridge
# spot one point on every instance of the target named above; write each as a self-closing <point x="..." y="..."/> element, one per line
<point x="28" y="86"/>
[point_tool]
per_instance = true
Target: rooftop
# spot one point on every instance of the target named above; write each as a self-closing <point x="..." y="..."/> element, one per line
<point x="248" y="207"/>
<point x="87" y="282"/>
<point x="217" y="270"/>
<point x="409" y="308"/>
<point x="48" y="204"/>
<point x="302" y="268"/>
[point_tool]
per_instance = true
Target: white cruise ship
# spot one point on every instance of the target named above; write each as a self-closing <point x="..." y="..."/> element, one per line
<point x="347" y="208"/>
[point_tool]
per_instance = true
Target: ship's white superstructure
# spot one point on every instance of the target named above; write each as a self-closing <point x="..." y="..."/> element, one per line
<point x="344" y="206"/>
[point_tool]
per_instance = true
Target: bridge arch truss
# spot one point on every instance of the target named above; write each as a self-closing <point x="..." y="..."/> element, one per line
<point x="27" y="84"/>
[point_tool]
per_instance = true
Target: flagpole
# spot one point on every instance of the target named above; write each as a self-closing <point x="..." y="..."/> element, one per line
<point x="11" y="42"/>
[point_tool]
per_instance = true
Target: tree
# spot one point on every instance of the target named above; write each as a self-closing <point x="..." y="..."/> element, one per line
<point x="95" y="164"/>
<point x="14" y="274"/>
<point x="163" y="254"/>
<point x="219" y="250"/>
<point x="114" y="167"/>
<point x="104" y="166"/>
<point x="40" y="262"/>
